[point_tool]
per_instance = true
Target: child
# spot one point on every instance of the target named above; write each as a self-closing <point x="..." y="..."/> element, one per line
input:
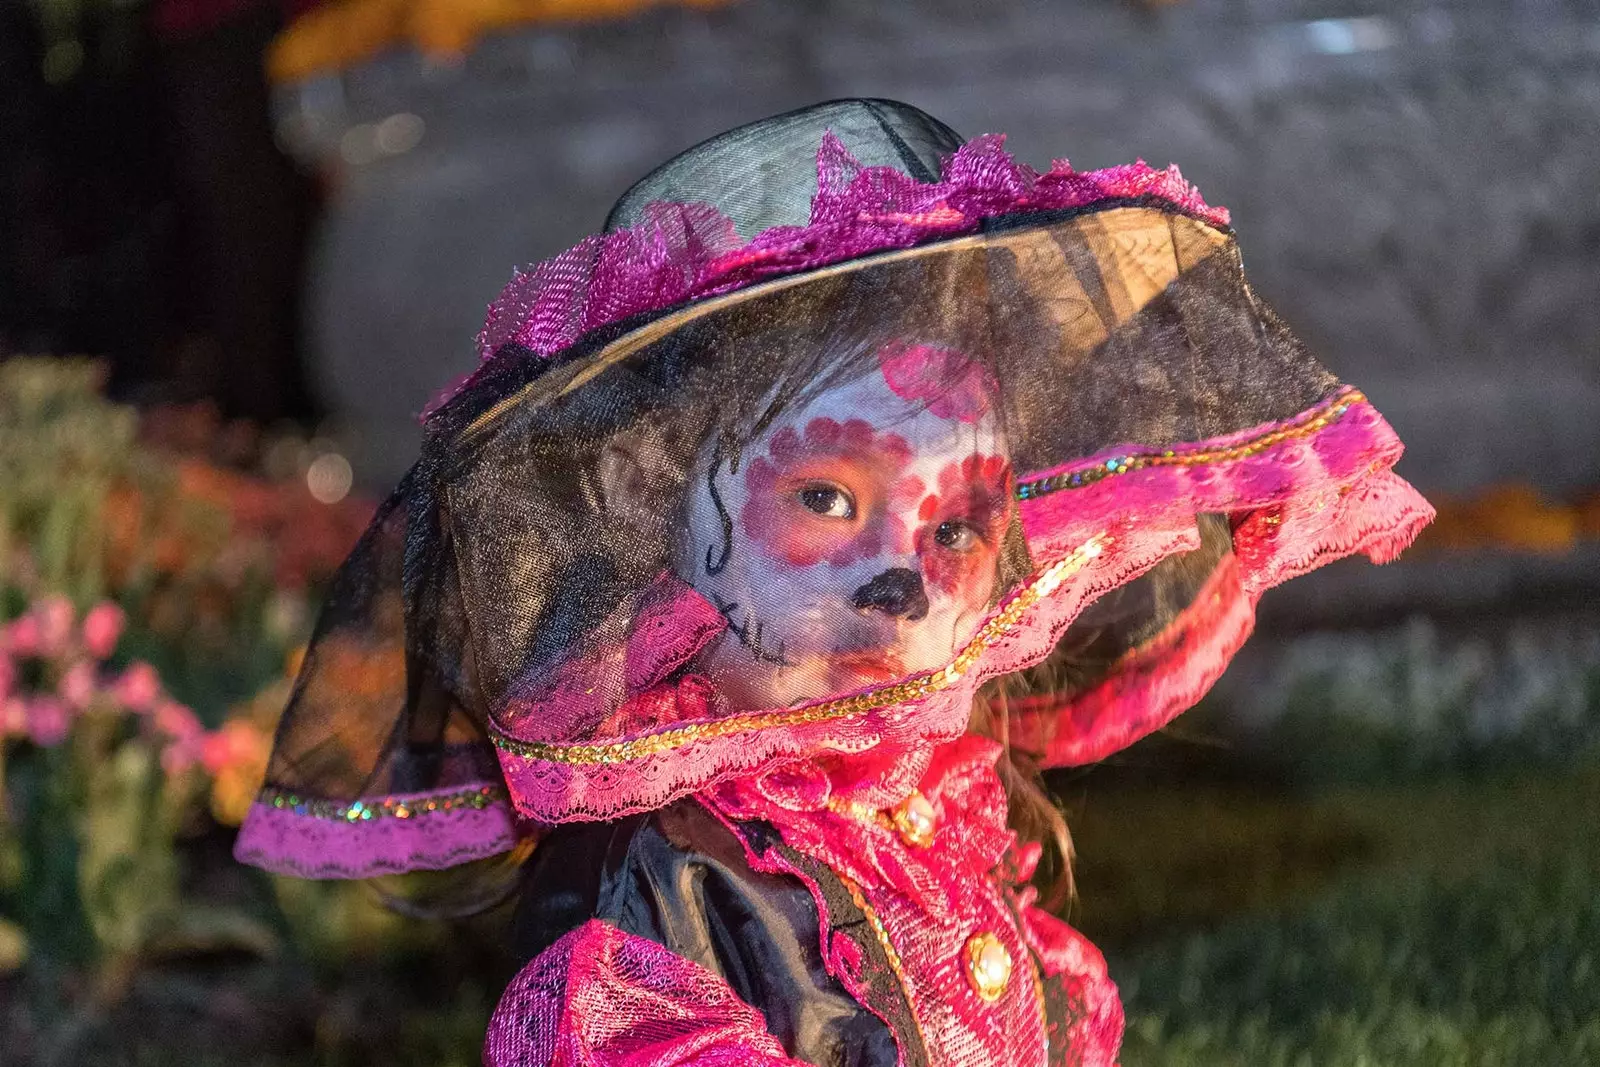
<point x="784" y="525"/>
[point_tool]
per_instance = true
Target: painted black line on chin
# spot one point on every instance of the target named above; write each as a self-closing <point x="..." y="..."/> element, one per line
<point x="751" y="639"/>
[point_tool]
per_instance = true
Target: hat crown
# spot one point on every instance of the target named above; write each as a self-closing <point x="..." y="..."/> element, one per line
<point x="764" y="174"/>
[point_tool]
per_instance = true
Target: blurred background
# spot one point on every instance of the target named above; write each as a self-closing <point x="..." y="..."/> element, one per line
<point x="242" y="242"/>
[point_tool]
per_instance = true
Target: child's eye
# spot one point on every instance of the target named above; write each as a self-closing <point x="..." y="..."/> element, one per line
<point x="956" y="536"/>
<point x="828" y="500"/>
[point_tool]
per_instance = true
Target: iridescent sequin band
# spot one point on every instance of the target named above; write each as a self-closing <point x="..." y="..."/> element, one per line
<point x="1308" y="422"/>
<point x="398" y="807"/>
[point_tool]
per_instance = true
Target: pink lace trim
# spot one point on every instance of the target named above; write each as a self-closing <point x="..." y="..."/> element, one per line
<point x="600" y="997"/>
<point x="1302" y="492"/>
<point x="683" y="252"/>
<point x="1150" y="687"/>
<point x="284" y="840"/>
<point x="1315" y="458"/>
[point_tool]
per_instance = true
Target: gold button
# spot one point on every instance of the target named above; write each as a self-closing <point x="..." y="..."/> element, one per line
<point x="988" y="965"/>
<point x="915" y="820"/>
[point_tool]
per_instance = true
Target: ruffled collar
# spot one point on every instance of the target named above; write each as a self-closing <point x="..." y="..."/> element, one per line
<point x="847" y="809"/>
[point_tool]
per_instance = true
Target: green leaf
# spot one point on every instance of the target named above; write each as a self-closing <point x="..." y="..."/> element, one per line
<point x="13" y="947"/>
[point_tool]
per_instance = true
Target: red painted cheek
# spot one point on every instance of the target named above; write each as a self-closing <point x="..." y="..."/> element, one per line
<point x="965" y="576"/>
<point x="769" y="522"/>
<point x="854" y="455"/>
<point x="977" y="491"/>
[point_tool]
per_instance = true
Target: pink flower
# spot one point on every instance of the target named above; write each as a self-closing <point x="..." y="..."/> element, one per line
<point x="952" y="385"/>
<point x="102" y="627"/>
<point x="13" y="719"/>
<point x="23" y="636"/>
<point x="179" y="723"/>
<point x="138" y="687"/>
<point x="180" y="756"/>
<point x="55" y="617"/>
<point x="48" y="721"/>
<point x="236" y="743"/>
<point x="77" y="685"/>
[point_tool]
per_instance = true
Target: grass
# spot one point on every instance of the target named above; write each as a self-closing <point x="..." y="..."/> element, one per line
<point x="1497" y="969"/>
<point x="1453" y="923"/>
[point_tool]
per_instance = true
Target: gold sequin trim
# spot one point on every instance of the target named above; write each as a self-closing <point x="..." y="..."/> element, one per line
<point x="915" y="688"/>
<point x="860" y="900"/>
<point x="477" y="798"/>
<point x="1308" y="422"/>
<point x="878" y="931"/>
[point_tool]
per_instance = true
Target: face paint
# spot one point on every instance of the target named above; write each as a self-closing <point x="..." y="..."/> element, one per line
<point x="948" y="383"/>
<point x="863" y="531"/>
<point x="798" y="508"/>
<point x="962" y="524"/>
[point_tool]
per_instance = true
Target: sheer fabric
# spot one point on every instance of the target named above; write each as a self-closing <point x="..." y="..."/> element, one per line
<point x="715" y="502"/>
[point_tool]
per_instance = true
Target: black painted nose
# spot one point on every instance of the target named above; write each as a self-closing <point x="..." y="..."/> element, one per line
<point x="897" y="592"/>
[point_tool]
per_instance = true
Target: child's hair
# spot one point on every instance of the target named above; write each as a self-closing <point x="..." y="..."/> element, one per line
<point x="1031" y="811"/>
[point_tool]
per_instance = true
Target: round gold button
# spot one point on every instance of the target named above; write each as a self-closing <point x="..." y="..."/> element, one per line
<point x="915" y="820"/>
<point x="988" y="965"/>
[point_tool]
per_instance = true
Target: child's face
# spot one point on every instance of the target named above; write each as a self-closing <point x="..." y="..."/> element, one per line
<point x="857" y="542"/>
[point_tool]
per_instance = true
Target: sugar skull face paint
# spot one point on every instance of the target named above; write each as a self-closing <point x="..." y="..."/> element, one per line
<point x="856" y="540"/>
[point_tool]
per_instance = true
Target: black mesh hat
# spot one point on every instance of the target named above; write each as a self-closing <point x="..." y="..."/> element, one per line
<point x="840" y="418"/>
<point x="764" y="174"/>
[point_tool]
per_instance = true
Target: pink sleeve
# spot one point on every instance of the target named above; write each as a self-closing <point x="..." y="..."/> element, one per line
<point x="600" y="997"/>
<point x="1084" y="1011"/>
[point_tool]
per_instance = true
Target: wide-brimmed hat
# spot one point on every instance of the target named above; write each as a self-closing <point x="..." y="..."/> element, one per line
<point x="535" y="627"/>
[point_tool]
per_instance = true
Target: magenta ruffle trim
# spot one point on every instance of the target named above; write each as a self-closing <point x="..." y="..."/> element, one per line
<point x="1148" y="688"/>
<point x="1301" y="473"/>
<point x="683" y="252"/>
<point x="1301" y="493"/>
<point x="280" y="840"/>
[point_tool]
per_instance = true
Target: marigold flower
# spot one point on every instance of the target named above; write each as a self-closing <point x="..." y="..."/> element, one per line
<point x="236" y="756"/>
